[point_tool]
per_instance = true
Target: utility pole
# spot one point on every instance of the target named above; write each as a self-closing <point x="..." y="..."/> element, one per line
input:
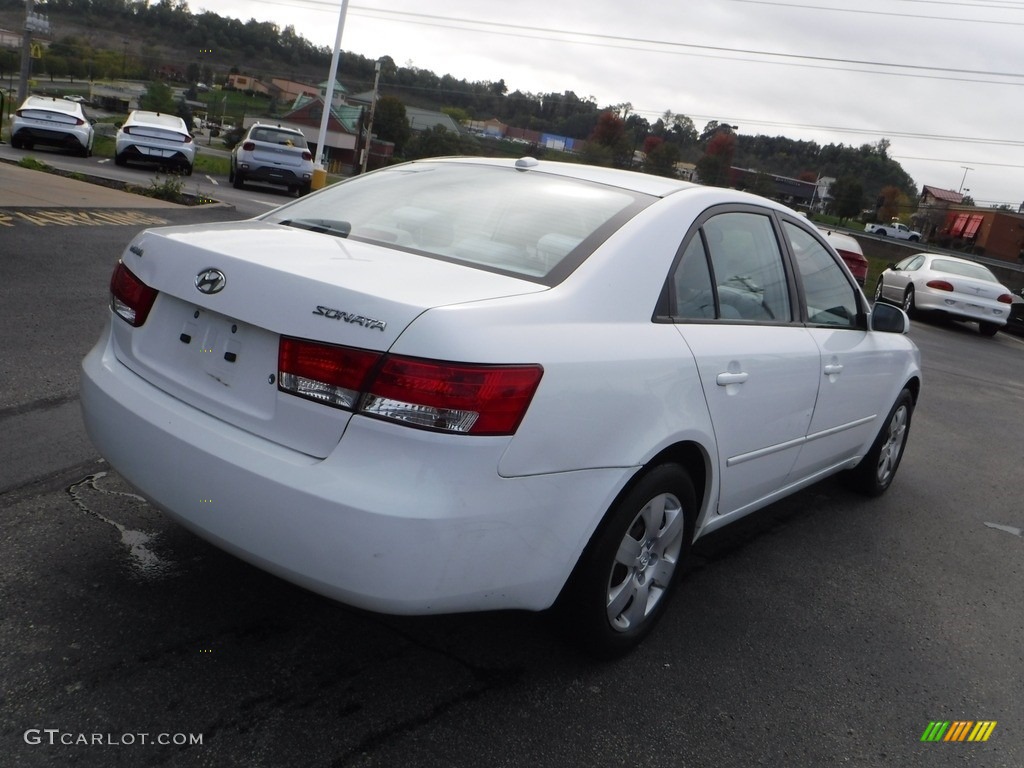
<point x="369" y="125"/>
<point x="34" y="22"/>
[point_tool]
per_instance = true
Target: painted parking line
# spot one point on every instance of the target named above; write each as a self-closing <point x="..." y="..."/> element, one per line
<point x="213" y="181"/>
<point x="64" y="217"/>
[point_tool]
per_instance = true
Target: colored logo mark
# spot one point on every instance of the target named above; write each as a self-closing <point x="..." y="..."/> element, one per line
<point x="958" y="730"/>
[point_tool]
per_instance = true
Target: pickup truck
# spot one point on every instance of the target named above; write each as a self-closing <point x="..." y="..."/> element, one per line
<point x="895" y="229"/>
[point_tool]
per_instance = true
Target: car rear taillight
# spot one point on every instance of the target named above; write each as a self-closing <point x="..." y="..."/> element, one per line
<point x="188" y="139"/>
<point x="429" y="394"/>
<point x="249" y="146"/>
<point x="325" y="373"/>
<point x="126" y="129"/>
<point x="130" y="298"/>
<point x="452" y="397"/>
<point x="1005" y="299"/>
<point x="940" y="285"/>
<point x="307" y="156"/>
<point x="79" y="121"/>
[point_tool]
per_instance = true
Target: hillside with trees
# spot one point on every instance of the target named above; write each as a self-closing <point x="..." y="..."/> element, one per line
<point x="104" y="39"/>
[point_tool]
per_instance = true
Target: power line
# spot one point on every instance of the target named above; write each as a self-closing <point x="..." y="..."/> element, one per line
<point x="865" y="12"/>
<point x="643" y="44"/>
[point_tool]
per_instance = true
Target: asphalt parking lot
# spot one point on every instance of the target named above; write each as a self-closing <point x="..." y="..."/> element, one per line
<point x="827" y="629"/>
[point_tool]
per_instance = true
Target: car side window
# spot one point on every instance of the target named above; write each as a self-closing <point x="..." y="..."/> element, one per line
<point x="746" y="264"/>
<point x="693" y="292"/>
<point x="910" y="263"/>
<point x="829" y="299"/>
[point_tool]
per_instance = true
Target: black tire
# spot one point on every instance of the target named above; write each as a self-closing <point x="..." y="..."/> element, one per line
<point x="231" y="174"/>
<point x="239" y="181"/>
<point x="988" y="329"/>
<point x="881" y="233"/>
<point x="876" y="471"/>
<point x="305" y="189"/>
<point x="878" y="291"/>
<point x="624" y="579"/>
<point x="908" y="300"/>
<point x="913" y="239"/>
<point x="119" y="160"/>
<point x="187" y="168"/>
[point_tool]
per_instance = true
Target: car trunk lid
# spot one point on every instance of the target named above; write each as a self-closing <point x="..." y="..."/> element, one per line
<point x="228" y="293"/>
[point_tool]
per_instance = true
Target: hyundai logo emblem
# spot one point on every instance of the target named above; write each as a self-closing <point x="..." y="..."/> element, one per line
<point x="210" y="281"/>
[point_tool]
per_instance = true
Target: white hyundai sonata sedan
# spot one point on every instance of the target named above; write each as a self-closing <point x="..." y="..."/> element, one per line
<point x="469" y="384"/>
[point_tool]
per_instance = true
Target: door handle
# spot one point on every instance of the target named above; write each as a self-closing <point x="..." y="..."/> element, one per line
<point x="725" y="379"/>
<point x="833" y="370"/>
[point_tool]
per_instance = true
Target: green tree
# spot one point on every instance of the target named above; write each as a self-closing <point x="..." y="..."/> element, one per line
<point x="847" y="198"/>
<point x="435" y="142"/>
<point x="390" y="122"/>
<point x="158" y="98"/>
<point x="661" y="159"/>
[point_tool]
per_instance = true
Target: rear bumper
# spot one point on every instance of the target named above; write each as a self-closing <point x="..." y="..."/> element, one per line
<point x="143" y="153"/>
<point x="956" y="305"/>
<point x="394" y="520"/>
<point x="270" y="174"/>
<point x="50" y="137"/>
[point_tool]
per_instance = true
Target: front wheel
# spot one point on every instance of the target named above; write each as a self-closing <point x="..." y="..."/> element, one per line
<point x="622" y="583"/>
<point x="878" y="291"/>
<point x="876" y="471"/>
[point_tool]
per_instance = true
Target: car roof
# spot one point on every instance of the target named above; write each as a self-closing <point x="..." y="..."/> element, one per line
<point x="657" y="186"/>
<point x="53" y="104"/>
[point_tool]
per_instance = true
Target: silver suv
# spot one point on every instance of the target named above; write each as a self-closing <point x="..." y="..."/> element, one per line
<point x="274" y="155"/>
<point x="54" y="122"/>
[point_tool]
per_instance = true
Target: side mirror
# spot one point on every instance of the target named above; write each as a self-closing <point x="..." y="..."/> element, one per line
<point x="892" y="265"/>
<point x="889" y="319"/>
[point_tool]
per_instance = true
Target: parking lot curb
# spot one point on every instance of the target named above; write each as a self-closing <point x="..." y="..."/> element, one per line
<point x="29" y="188"/>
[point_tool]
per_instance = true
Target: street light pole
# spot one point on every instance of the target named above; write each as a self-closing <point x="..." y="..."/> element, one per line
<point x="33" y="23"/>
<point x="966" y="169"/>
<point x="321" y="141"/>
<point x="369" y="127"/>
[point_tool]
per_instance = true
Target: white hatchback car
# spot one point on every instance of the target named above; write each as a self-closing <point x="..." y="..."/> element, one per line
<point x="52" y="122"/>
<point x="957" y="287"/>
<point x="155" y="137"/>
<point x="472" y="384"/>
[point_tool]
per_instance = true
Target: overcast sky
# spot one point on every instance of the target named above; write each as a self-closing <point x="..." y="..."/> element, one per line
<point x="942" y="80"/>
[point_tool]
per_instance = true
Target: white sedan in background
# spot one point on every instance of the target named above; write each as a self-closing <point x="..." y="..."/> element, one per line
<point x="962" y="289"/>
<point x="471" y="384"/>
<point x="155" y="138"/>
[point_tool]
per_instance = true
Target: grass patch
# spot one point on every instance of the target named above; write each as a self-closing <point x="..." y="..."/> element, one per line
<point x="103" y="146"/>
<point x="34" y="165"/>
<point x="217" y="166"/>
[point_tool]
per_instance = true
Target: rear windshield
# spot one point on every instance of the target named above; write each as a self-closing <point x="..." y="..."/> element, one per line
<point x="274" y="136"/>
<point x="523" y="223"/>
<point x="964" y="269"/>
